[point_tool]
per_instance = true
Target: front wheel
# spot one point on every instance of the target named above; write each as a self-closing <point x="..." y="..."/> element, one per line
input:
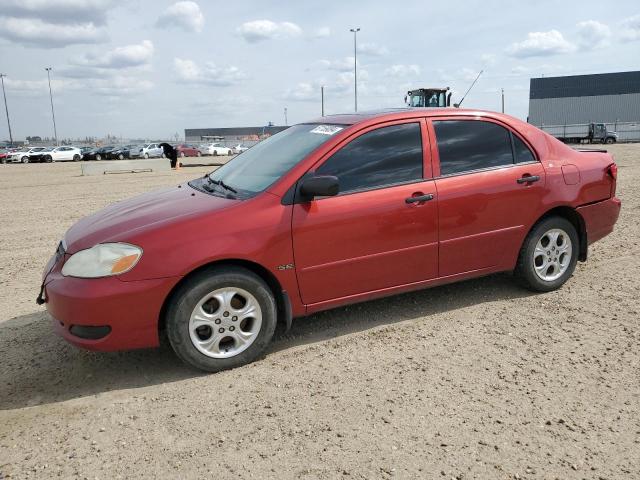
<point x="48" y="159"/>
<point x="120" y="157"/>
<point x="98" y="157"/>
<point x="609" y="141"/>
<point x="215" y="153"/>
<point x="221" y="318"/>
<point x="146" y="155"/>
<point x="25" y="159"/>
<point x="76" y="158"/>
<point x="181" y="154"/>
<point x="198" y="154"/>
<point x="549" y="255"/>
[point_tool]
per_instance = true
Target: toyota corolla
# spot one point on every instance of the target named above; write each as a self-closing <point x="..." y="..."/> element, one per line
<point x="331" y="212"/>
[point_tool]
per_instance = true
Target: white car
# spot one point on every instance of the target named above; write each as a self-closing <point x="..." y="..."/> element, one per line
<point x="148" y="150"/>
<point x="60" y="154"/>
<point x="239" y="148"/>
<point x="214" y="149"/>
<point x="24" y="155"/>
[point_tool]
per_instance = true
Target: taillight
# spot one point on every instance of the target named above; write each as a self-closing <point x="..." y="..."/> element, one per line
<point x="612" y="170"/>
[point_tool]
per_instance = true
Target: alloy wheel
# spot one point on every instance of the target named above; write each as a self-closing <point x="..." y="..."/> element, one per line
<point x="552" y="255"/>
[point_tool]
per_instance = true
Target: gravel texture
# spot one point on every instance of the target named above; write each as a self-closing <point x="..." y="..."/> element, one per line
<point x="475" y="380"/>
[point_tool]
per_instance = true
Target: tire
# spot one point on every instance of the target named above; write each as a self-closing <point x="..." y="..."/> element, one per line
<point x="215" y="153"/>
<point x="48" y="159"/>
<point x="98" y="156"/>
<point x="181" y="154"/>
<point x="537" y="268"/>
<point x="120" y="157"/>
<point x="198" y="154"/>
<point x="609" y="140"/>
<point x="76" y="158"/>
<point x="4" y="161"/>
<point x="24" y="159"/>
<point x="195" y="294"/>
<point x="146" y="155"/>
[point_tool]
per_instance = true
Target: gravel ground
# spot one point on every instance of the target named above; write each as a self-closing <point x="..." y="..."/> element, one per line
<point x="476" y="380"/>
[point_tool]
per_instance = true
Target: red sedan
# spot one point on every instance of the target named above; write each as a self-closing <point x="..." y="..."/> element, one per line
<point x="339" y="210"/>
<point x="185" y="150"/>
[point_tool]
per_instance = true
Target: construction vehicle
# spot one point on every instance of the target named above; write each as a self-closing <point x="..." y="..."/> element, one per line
<point x="434" y="97"/>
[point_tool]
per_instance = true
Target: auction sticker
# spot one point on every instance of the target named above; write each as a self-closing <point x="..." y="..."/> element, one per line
<point x="326" y="129"/>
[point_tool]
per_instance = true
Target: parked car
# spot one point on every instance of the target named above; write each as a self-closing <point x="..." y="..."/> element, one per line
<point x="58" y="154"/>
<point x="149" y="150"/>
<point x="327" y="213"/>
<point x="88" y="153"/>
<point x="4" y="153"/>
<point x="185" y="150"/>
<point x="239" y="149"/>
<point x="214" y="149"/>
<point x="25" y="155"/>
<point x="122" y="152"/>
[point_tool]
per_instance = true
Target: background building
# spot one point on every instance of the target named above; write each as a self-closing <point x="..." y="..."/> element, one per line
<point x="231" y="136"/>
<point x="610" y="98"/>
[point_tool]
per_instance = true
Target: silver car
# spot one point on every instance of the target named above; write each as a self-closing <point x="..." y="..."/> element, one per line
<point x="148" y="150"/>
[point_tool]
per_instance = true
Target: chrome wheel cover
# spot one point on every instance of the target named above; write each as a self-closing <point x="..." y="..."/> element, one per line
<point x="225" y="322"/>
<point x="552" y="255"/>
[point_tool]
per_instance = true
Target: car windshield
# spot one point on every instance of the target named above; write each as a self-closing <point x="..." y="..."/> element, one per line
<point x="255" y="169"/>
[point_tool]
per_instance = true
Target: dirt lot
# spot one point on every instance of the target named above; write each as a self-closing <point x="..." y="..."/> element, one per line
<point x="474" y="380"/>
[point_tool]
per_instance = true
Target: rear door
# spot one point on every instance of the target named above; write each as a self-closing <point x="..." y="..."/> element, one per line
<point x="490" y="188"/>
<point x="374" y="234"/>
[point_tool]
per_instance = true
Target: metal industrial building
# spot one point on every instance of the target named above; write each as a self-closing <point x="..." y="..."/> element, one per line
<point x="231" y="136"/>
<point x="603" y="98"/>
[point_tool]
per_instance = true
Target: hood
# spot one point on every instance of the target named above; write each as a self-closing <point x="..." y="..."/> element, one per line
<point x="121" y="221"/>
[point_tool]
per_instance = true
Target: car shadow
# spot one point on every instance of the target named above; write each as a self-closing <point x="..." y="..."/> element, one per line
<point x="38" y="367"/>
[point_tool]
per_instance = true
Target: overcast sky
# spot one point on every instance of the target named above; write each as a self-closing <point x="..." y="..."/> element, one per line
<point x="150" y="69"/>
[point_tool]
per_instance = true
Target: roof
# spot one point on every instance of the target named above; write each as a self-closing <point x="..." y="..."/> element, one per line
<point x="353" y="118"/>
<point x="585" y="85"/>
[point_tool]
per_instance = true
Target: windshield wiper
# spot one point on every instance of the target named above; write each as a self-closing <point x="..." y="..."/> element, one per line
<point x="220" y="183"/>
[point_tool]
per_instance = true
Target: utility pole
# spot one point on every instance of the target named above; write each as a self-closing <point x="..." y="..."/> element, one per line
<point x="322" y="98"/>
<point x="6" y="109"/>
<point x="355" y="65"/>
<point x="285" y="117"/>
<point x="502" y="99"/>
<point x="55" y="131"/>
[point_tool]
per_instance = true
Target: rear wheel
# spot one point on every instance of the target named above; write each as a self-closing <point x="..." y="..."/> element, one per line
<point x="198" y="154"/>
<point x="76" y="158"/>
<point x="609" y="140"/>
<point x="120" y="157"/>
<point x="215" y="153"/>
<point x="181" y="154"/>
<point x="549" y="255"/>
<point x="24" y="159"/>
<point x="98" y="156"/>
<point x="221" y="318"/>
<point x="146" y="155"/>
<point x="48" y="159"/>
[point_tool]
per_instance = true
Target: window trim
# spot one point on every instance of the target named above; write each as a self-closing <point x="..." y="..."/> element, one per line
<point x="427" y="158"/>
<point x="435" y="153"/>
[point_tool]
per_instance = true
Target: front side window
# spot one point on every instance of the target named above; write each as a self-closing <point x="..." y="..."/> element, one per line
<point x="386" y="156"/>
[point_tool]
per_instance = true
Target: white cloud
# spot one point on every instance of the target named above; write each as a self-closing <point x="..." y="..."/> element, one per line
<point x="119" y="86"/>
<point x="402" y="70"/>
<point x="259" y="30"/>
<point x="342" y="65"/>
<point x="59" y="11"/>
<point x="116" y="86"/>
<point x="36" y="32"/>
<point x="303" y="92"/>
<point x="631" y="28"/>
<point x="207" y="73"/>
<point x="322" y="32"/>
<point x="185" y="15"/>
<point x="120" y="57"/>
<point x="372" y="49"/>
<point x="541" y="44"/>
<point x="593" y="34"/>
<point x="488" y="59"/>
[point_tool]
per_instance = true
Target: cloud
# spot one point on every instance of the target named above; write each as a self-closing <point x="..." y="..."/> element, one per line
<point x="631" y="29"/>
<point x="59" y="11"/>
<point x="259" y="30"/>
<point x="38" y="33"/>
<point x="120" y="57"/>
<point x="488" y="59"/>
<point x="116" y="86"/>
<point x="304" y="92"/>
<point x="342" y="65"/>
<point x="541" y="44"/>
<point x="208" y="74"/>
<point x="321" y="32"/>
<point x="402" y="70"/>
<point x="119" y="86"/>
<point x="372" y="49"/>
<point x="185" y="15"/>
<point x="593" y="34"/>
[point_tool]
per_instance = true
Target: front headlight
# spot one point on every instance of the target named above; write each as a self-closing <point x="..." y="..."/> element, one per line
<point x="102" y="260"/>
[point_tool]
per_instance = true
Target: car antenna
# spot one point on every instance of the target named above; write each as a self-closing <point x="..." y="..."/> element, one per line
<point x="457" y="105"/>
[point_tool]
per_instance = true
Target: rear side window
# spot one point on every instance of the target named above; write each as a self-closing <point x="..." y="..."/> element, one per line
<point x="521" y="151"/>
<point x="465" y="145"/>
<point x="386" y="156"/>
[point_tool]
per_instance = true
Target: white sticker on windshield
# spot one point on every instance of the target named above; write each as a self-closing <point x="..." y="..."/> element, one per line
<point x="326" y="129"/>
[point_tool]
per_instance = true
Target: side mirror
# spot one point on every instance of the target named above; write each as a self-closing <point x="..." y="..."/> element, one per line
<point x="319" y="186"/>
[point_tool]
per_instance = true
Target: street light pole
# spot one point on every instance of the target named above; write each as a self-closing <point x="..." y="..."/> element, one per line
<point x="502" y="100"/>
<point x="355" y="65"/>
<point x="53" y="115"/>
<point x="322" y="98"/>
<point x="285" y="117"/>
<point x="6" y="109"/>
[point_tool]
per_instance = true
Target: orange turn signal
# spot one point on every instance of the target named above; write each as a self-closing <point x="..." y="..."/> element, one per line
<point x="124" y="264"/>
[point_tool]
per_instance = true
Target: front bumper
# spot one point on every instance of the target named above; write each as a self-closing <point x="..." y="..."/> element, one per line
<point x="600" y="217"/>
<point x="130" y="310"/>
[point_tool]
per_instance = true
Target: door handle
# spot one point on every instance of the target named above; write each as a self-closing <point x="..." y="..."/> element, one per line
<point x="419" y="198"/>
<point x="528" y="179"/>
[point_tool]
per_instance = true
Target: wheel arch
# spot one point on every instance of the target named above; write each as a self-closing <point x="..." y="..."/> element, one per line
<point x="572" y="215"/>
<point x="283" y="303"/>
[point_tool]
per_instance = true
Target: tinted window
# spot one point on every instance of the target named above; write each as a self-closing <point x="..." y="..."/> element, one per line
<point x="466" y="145"/>
<point x="521" y="151"/>
<point x="384" y="156"/>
